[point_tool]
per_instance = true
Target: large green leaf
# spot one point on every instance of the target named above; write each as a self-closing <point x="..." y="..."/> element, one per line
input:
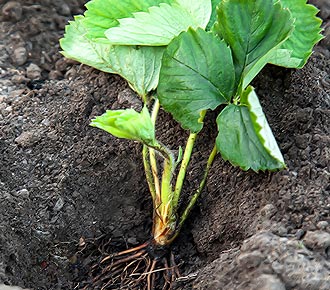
<point x="245" y="138"/>
<point x="103" y="14"/>
<point x="138" y="65"/>
<point x="252" y="28"/>
<point x="307" y="31"/>
<point x="160" y="24"/>
<point x="200" y="9"/>
<point x="77" y="46"/>
<point x="197" y="73"/>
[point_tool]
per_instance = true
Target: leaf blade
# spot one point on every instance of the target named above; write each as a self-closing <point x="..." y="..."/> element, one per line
<point x="140" y="66"/>
<point x="252" y="29"/>
<point x="197" y="73"/>
<point x="245" y="138"/>
<point x="103" y="14"/>
<point x="213" y="17"/>
<point x="307" y="31"/>
<point x="160" y="24"/>
<point x="87" y="52"/>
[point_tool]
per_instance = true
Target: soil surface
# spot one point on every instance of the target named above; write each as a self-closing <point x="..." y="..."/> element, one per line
<point x="64" y="186"/>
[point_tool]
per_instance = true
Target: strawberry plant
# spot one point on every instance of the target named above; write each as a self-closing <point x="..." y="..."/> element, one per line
<point x="189" y="57"/>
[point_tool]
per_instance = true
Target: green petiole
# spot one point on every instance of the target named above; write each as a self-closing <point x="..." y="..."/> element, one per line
<point x="198" y="192"/>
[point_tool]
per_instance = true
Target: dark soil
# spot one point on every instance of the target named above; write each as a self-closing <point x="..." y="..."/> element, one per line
<point x="65" y="186"/>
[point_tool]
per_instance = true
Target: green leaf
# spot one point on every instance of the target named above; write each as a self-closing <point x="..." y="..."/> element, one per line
<point x="197" y="73"/>
<point x="200" y="9"/>
<point x="103" y="14"/>
<point x="245" y="138"/>
<point x="160" y="24"/>
<point x="213" y="17"/>
<point x="127" y="124"/>
<point x="252" y="28"/>
<point x="275" y="56"/>
<point x="138" y="65"/>
<point x="77" y="46"/>
<point x="284" y="57"/>
<point x="307" y="31"/>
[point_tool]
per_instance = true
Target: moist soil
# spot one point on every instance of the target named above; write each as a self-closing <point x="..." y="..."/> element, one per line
<point x="67" y="188"/>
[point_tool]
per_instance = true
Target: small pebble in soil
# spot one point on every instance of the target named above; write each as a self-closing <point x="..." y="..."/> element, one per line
<point x="65" y="10"/>
<point x="55" y="75"/>
<point x="61" y="65"/>
<point x="322" y="225"/>
<point x="27" y="138"/>
<point x="22" y="193"/>
<point x="12" y="11"/>
<point x="280" y="230"/>
<point x="19" y="55"/>
<point x="299" y="234"/>
<point x="268" y="210"/>
<point x="133" y="241"/>
<point x="19" y="79"/>
<point x="317" y="240"/>
<point x="59" y="204"/>
<point x="33" y="72"/>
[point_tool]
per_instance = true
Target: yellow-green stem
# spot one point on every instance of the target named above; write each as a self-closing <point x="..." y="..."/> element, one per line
<point x="183" y="168"/>
<point x="184" y="164"/>
<point x="166" y="193"/>
<point x="152" y="156"/>
<point x="200" y="188"/>
<point x="148" y="171"/>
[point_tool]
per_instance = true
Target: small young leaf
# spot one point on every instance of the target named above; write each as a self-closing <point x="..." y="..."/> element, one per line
<point x="245" y="138"/>
<point x="197" y="73"/>
<point x="252" y="28"/>
<point x="160" y="24"/>
<point x="307" y="30"/>
<point x="127" y="124"/>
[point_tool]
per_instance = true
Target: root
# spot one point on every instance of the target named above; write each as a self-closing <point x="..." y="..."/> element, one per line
<point x="138" y="268"/>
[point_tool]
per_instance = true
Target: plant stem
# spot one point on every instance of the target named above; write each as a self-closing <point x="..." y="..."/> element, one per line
<point x="200" y="188"/>
<point x="152" y="156"/>
<point x="184" y="163"/>
<point x="183" y="168"/>
<point x="166" y="196"/>
<point x="148" y="171"/>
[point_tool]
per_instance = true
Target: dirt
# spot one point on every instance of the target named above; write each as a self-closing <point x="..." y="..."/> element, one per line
<point x="64" y="184"/>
